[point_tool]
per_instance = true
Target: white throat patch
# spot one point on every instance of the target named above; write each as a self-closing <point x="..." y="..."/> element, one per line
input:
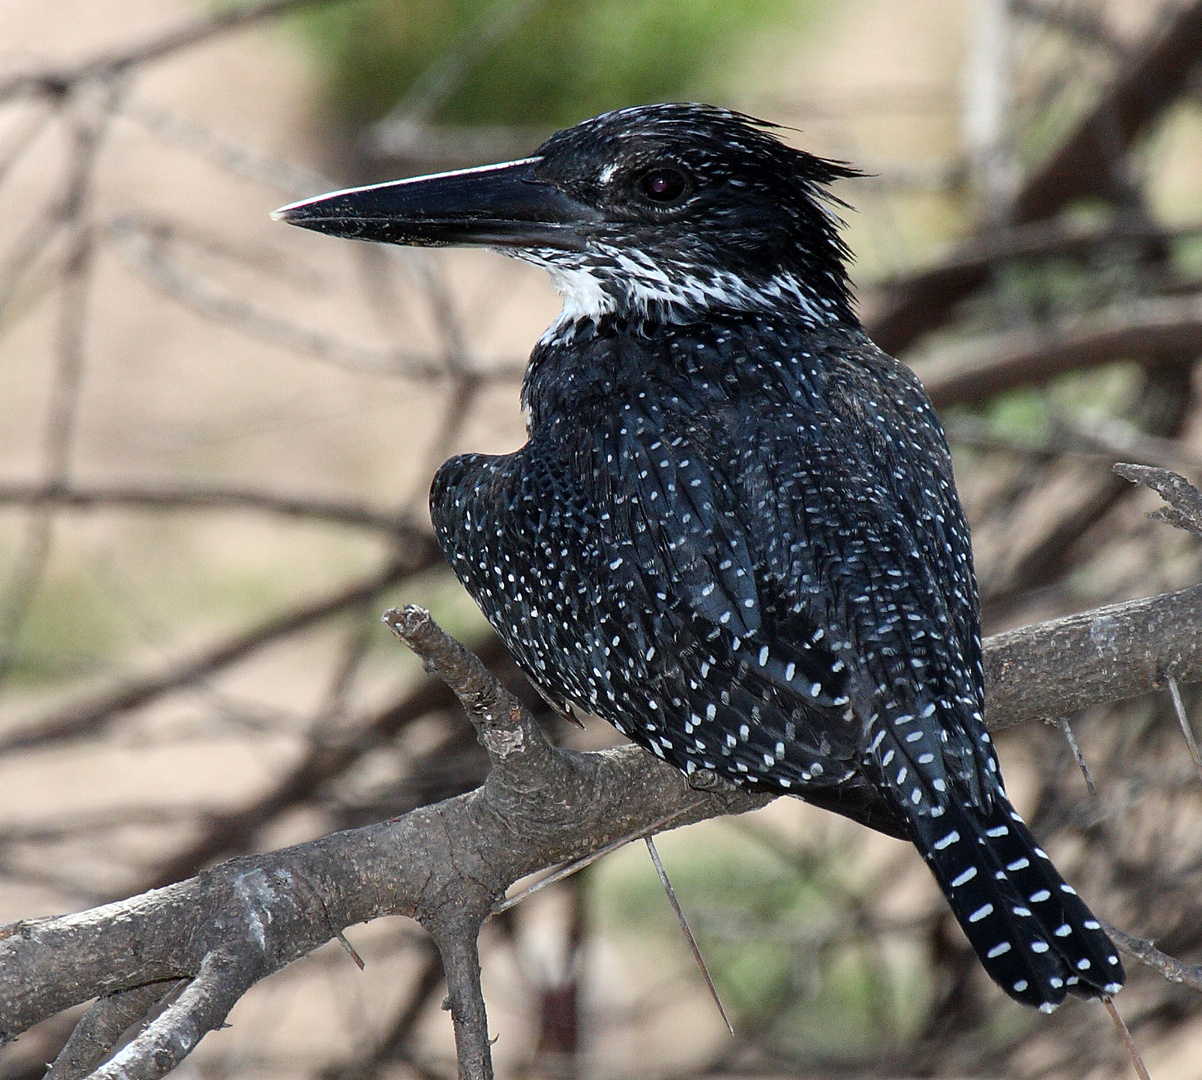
<point x="600" y="281"/>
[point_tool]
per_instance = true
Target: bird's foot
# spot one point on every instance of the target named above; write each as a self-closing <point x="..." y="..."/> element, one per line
<point x="708" y="780"/>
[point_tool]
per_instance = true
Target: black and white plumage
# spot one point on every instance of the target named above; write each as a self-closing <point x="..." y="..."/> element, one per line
<point x="733" y="532"/>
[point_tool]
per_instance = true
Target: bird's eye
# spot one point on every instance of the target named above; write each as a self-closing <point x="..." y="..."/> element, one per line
<point x="664" y="185"/>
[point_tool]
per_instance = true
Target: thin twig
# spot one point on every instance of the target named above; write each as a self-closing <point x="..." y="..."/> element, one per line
<point x="145" y="251"/>
<point x="1071" y="739"/>
<point x="1136" y="1060"/>
<point x="685" y="929"/>
<point x="174" y="495"/>
<point x="1183" y="720"/>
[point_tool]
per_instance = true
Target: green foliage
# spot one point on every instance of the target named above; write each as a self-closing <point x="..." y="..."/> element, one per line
<point x="566" y="60"/>
<point x="1033" y="412"/>
<point x="74" y="628"/>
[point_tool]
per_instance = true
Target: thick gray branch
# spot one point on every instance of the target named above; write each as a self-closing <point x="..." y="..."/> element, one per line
<point x="446" y="864"/>
<point x="1109" y="654"/>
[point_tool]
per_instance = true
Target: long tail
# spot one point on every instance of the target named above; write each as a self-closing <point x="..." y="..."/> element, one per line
<point x="1032" y="932"/>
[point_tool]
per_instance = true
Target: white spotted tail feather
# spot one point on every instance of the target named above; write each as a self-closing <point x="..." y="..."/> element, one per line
<point x="1031" y="931"/>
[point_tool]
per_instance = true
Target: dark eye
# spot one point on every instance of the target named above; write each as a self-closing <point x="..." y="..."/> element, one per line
<point x="663" y="185"/>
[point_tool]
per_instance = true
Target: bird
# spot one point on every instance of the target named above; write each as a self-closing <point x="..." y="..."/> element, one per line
<point x="733" y="531"/>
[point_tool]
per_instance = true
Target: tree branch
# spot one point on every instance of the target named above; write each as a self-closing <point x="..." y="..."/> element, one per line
<point x="1109" y="654"/>
<point x="54" y="81"/>
<point x="434" y="864"/>
<point x="1148" y="329"/>
<point x="95" y="711"/>
<point x="1157" y="73"/>
<point x="171" y="495"/>
<point x="1185" y="501"/>
<point x="103" y="1025"/>
<point x="1146" y="952"/>
<point x="447" y="864"/>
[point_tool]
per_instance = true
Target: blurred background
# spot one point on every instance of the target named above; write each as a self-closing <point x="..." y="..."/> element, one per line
<point x="217" y="434"/>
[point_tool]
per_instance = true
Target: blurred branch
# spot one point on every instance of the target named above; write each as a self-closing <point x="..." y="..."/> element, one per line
<point x="54" y="81"/>
<point x="1082" y="164"/>
<point x="394" y="1045"/>
<point x="1144" y="330"/>
<point x="20" y="137"/>
<point x="33" y="243"/>
<point x="66" y="825"/>
<point x="145" y="250"/>
<point x="88" y="121"/>
<point x="176" y="496"/>
<point x="291" y="180"/>
<point x="1086" y="26"/>
<point x="91" y="714"/>
<point x="1046" y="540"/>
<point x="406" y="131"/>
<point x="1110" y="441"/>
<point x="439" y="81"/>
<point x="1157" y="73"/>
<point x="1046" y="239"/>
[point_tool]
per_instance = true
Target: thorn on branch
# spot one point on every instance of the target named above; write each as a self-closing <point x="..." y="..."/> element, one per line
<point x="574" y="867"/>
<point x="351" y="951"/>
<point x="1185" y="501"/>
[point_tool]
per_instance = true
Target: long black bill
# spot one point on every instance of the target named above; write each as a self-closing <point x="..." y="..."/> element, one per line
<point x="495" y="206"/>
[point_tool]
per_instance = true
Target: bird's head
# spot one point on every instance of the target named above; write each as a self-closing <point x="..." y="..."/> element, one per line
<point x="660" y="211"/>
